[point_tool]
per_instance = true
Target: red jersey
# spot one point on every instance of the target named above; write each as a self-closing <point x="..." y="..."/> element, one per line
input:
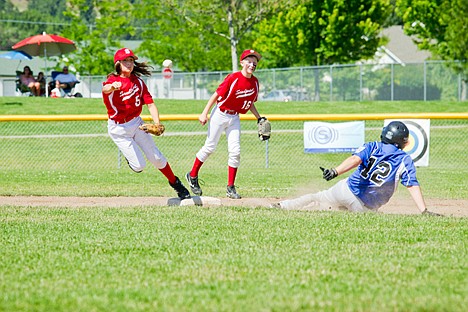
<point x="125" y="104"/>
<point x="237" y="92"/>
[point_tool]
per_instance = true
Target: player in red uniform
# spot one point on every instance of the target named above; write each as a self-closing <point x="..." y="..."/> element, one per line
<point x="235" y="95"/>
<point x="124" y="94"/>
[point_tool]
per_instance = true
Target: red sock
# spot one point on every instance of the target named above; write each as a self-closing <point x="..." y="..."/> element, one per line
<point x="167" y="171"/>
<point x="196" y="167"/>
<point x="231" y="175"/>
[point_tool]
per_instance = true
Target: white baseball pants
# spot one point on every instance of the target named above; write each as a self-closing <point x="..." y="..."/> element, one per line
<point x="133" y="142"/>
<point x="221" y="122"/>
<point x="338" y="197"/>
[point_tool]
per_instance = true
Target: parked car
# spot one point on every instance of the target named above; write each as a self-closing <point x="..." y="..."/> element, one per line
<point x="278" y="95"/>
<point x="285" y="96"/>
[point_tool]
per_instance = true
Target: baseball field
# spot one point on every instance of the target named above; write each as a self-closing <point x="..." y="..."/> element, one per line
<point x="117" y="246"/>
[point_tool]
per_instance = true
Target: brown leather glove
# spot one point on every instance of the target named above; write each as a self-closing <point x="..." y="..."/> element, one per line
<point x="154" y="129"/>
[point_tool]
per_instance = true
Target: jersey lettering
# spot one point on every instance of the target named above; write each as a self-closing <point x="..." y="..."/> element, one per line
<point x="246" y="105"/>
<point x="383" y="165"/>
<point x="237" y="93"/>
<point x="137" y="100"/>
<point x="128" y="101"/>
<point x="379" y="173"/>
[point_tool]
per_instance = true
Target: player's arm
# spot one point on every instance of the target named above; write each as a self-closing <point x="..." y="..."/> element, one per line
<point x="154" y="112"/>
<point x="349" y="163"/>
<point x="416" y="194"/>
<point x="254" y="111"/>
<point x="111" y="87"/>
<point x="203" y="118"/>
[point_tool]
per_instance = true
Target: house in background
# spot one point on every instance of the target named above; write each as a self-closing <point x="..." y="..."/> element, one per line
<point x="405" y="71"/>
<point x="400" y="49"/>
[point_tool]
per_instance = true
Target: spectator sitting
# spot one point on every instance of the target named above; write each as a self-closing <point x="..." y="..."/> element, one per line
<point x="42" y="81"/>
<point x="29" y="82"/>
<point x="65" y="80"/>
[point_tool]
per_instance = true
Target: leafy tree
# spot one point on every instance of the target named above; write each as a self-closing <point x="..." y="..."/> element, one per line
<point x="322" y="32"/>
<point x="201" y="34"/>
<point x="7" y="31"/>
<point x="97" y="25"/>
<point x="49" y="9"/>
<point x="440" y="27"/>
<point x="40" y="16"/>
<point x="394" y="18"/>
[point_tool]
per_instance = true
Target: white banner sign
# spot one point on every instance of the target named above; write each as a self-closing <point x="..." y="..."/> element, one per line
<point x="325" y="137"/>
<point x="418" y="147"/>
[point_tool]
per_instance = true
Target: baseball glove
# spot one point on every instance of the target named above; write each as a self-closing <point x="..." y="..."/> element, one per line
<point x="264" y="128"/>
<point x="154" y="129"/>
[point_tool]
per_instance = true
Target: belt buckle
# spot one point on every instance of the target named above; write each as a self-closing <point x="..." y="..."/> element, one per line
<point x="230" y="112"/>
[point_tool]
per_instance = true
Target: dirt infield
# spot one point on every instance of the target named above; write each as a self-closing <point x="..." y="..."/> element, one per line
<point x="456" y="208"/>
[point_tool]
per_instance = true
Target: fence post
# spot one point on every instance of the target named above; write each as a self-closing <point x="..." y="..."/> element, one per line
<point x="391" y="83"/>
<point x="360" y="83"/>
<point x="302" y="84"/>
<point x="90" y="87"/>
<point x="195" y="86"/>
<point x="425" y="81"/>
<point x="274" y="79"/>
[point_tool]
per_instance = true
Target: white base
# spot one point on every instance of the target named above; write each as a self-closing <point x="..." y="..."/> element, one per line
<point x="194" y="201"/>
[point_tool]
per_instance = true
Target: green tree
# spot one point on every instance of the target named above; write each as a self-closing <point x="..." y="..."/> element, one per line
<point x="8" y="32"/>
<point x="49" y="9"/>
<point x="97" y="26"/>
<point x="322" y="32"/>
<point x="394" y="18"/>
<point x="440" y="27"/>
<point x="40" y="16"/>
<point x="201" y="34"/>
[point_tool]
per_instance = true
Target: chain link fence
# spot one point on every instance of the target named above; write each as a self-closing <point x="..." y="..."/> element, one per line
<point x="431" y="80"/>
<point x="85" y="145"/>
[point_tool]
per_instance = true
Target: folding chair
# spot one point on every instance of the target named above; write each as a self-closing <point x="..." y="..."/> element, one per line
<point x="21" y="89"/>
<point x="68" y="92"/>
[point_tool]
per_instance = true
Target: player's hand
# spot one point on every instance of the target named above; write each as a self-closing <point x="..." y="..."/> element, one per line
<point x="116" y="85"/>
<point x="203" y="119"/>
<point x="430" y="213"/>
<point x="329" y="174"/>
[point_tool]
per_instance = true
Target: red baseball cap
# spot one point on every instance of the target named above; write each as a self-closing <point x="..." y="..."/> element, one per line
<point x="247" y="53"/>
<point x="122" y="54"/>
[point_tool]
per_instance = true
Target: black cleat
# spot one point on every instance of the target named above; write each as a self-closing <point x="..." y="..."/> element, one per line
<point x="231" y="192"/>
<point x="193" y="183"/>
<point x="182" y="192"/>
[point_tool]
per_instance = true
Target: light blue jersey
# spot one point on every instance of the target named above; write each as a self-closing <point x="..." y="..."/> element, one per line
<point x="383" y="166"/>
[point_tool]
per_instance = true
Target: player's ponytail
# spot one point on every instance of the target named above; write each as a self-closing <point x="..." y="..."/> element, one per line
<point x="142" y="69"/>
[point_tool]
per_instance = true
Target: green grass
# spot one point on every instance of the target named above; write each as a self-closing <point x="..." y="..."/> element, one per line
<point x="229" y="259"/>
<point x="85" y="165"/>
<point x="46" y="106"/>
<point x="226" y="258"/>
